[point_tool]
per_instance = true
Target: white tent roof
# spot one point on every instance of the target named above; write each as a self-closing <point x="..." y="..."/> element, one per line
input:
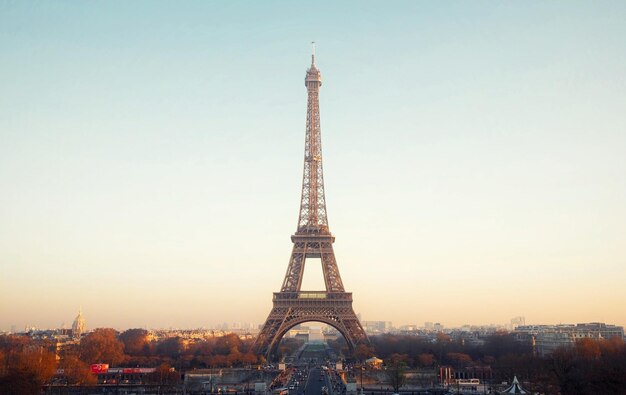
<point x="515" y="388"/>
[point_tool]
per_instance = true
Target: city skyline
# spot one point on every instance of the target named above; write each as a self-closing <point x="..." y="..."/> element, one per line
<point x="151" y="160"/>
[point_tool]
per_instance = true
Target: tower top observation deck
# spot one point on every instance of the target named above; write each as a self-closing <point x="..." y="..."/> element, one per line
<point x="313" y="77"/>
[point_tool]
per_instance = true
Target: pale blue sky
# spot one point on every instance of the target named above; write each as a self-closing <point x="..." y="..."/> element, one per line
<point x="151" y="158"/>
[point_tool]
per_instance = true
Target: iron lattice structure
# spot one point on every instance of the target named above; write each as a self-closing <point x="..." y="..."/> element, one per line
<point x="292" y="306"/>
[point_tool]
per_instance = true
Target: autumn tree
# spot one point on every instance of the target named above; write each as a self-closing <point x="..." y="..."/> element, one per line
<point x="102" y="346"/>
<point x="425" y="360"/>
<point x="26" y="370"/>
<point x="288" y="346"/>
<point x="340" y="346"/>
<point x="202" y="348"/>
<point x="217" y="361"/>
<point x="77" y="371"/>
<point x="164" y="374"/>
<point x="171" y="347"/>
<point x="396" y="358"/>
<point x="458" y="359"/>
<point x="3" y="362"/>
<point x="442" y="338"/>
<point x="135" y="341"/>
<point x="591" y="367"/>
<point x="503" y="343"/>
<point x="249" y="358"/>
<point x="363" y="352"/>
<point x="225" y="344"/>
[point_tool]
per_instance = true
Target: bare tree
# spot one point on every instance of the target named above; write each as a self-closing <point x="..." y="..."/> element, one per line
<point x="397" y="375"/>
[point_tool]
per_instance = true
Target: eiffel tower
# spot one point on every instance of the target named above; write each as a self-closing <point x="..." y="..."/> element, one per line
<point x="292" y="306"/>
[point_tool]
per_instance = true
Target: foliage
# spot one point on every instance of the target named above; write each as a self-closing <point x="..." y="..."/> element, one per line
<point x="591" y="367"/>
<point x="228" y="344"/>
<point x="171" y="347"/>
<point x="340" y="347"/>
<point x="288" y="346"/>
<point x="135" y="341"/>
<point x="503" y="343"/>
<point x="25" y="366"/>
<point x="76" y="371"/>
<point x="363" y="352"/>
<point x="444" y="351"/>
<point x="425" y="360"/>
<point x="459" y="359"/>
<point x="102" y="346"/>
<point x="164" y="374"/>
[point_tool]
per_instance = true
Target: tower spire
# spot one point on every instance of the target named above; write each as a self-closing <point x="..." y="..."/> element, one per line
<point x="312" y="53"/>
<point x="313" y="202"/>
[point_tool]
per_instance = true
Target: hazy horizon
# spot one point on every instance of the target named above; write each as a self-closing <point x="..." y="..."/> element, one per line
<point x="151" y="159"/>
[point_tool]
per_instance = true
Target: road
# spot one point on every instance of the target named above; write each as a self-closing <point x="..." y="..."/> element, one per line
<point x="317" y="380"/>
<point x="312" y="379"/>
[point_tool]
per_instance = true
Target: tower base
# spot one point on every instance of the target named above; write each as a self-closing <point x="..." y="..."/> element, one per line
<point x="294" y="308"/>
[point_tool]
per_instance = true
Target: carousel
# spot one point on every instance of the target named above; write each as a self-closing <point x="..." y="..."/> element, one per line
<point x="515" y="388"/>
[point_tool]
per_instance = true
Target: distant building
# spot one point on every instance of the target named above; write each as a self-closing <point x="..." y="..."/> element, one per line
<point x="316" y="335"/>
<point x="299" y="332"/>
<point x="376" y="327"/>
<point x="517" y="321"/>
<point x="78" y="327"/>
<point x="547" y="338"/>
<point x="408" y="328"/>
<point x="436" y="327"/>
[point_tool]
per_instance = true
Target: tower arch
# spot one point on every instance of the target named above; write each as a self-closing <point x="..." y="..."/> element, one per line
<point x="280" y="335"/>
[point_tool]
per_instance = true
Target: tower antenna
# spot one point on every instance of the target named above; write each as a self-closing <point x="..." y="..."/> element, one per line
<point x="313" y="52"/>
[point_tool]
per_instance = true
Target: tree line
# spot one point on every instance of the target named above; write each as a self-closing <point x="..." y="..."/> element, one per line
<point x="27" y="364"/>
<point x="589" y="367"/>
